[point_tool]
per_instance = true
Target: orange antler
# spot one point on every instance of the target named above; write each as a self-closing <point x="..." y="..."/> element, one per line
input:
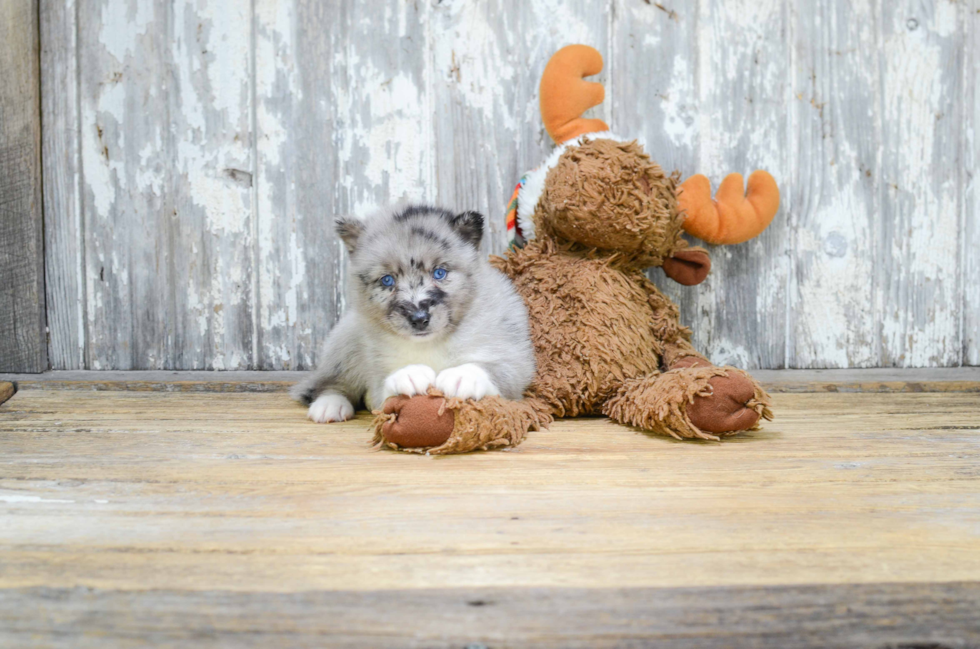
<point x="565" y="95"/>
<point x="734" y="216"/>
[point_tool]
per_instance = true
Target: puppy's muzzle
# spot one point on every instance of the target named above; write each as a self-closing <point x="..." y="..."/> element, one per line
<point x="418" y="315"/>
<point x="419" y="319"/>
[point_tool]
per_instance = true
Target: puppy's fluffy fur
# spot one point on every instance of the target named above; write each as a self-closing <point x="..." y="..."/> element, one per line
<point x="427" y="309"/>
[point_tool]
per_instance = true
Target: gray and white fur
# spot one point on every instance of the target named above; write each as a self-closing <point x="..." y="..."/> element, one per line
<point x="426" y="309"/>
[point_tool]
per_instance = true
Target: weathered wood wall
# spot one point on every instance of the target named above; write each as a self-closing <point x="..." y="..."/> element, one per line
<point x="197" y="151"/>
<point x="23" y="347"/>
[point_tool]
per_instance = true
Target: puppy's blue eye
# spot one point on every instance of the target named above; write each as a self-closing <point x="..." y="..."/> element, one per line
<point x="388" y="280"/>
<point x="440" y="273"/>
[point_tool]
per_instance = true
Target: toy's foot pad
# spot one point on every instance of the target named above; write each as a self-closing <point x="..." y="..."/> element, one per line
<point x="732" y="405"/>
<point x="728" y="409"/>
<point x="418" y="422"/>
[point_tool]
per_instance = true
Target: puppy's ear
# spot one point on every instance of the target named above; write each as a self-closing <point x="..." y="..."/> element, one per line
<point x="349" y="229"/>
<point x="468" y="225"/>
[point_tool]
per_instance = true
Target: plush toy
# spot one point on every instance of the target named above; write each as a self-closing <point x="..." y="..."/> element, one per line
<point x="584" y="227"/>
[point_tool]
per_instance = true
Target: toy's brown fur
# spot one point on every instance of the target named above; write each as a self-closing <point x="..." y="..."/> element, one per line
<point x="609" y="196"/>
<point x="606" y="339"/>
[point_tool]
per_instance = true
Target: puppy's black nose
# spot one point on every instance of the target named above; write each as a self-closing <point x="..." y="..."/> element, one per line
<point x="419" y="319"/>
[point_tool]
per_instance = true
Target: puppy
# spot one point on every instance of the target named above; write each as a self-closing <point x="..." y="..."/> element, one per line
<point x="427" y="310"/>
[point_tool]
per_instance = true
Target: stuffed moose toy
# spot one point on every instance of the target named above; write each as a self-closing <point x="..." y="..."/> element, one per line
<point x="584" y="227"/>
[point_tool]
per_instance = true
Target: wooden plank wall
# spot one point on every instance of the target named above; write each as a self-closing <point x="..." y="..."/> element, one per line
<point x="23" y="347"/>
<point x="196" y="153"/>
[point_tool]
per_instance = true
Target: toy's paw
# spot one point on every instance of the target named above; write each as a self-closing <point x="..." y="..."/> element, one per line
<point x="692" y="400"/>
<point x="729" y="408"/>
<point x="419" y="422"/>
<point x="409" y="381"/>
<point x="469" y="381"/>
<point x="330" y="407"/>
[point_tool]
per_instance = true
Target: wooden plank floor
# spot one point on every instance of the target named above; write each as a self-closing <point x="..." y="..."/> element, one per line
<point x="132" y="517"/>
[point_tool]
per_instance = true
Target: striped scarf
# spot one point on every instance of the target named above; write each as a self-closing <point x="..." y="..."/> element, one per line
<point x="515" y="238"/>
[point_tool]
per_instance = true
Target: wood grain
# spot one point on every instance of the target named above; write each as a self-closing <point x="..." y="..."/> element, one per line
<point x="835" y="187"/>
<point x="911" y="616"/>
<point x="201" y="237"/>
<point x="115" y="489"/>
<point x="64" y="235"/>
<point x="23" y="344"/>
<point x="344" y="127"/>
<point x="743" y="75"/>
<point x="921" y="60"/>
<point x="127" y="226"/>
<point x="301" y="124"/>
<point x="165" y="153"/>
<point x="172" y="516"/>
<point x="970" y="184"/>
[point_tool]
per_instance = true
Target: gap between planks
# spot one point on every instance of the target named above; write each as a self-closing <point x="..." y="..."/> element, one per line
<point x="948" y="379"/>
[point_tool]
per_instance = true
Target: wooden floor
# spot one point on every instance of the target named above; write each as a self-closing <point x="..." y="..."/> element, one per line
<point x="176" y="518"/>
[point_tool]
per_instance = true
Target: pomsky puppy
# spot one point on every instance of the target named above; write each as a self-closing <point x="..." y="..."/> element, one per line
<point x="427" y="310"/>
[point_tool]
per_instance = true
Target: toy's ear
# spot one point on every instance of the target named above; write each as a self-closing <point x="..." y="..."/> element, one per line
<point x="688" y="266"/>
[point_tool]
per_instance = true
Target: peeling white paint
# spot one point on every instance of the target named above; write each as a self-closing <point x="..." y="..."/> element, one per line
<point x="395" y="105"/>
<point x="123" y="23"/>
<point x="389" y="129"/>
<point x="296" y="280"/>
<point x="679" y="122"/>
<point x="473" y="59"/>
<point x="278" y="86"/>
<point x="743" y="85"/>
<point x="919" y="314"/>
<point x="833" y="306"/>
<point x="203" y="245"/>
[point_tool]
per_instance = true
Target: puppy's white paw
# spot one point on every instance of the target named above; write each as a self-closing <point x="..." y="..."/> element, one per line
<point x="409" y="380"/>
<point x="330" y="407"/>
<point x="468" y="381"/>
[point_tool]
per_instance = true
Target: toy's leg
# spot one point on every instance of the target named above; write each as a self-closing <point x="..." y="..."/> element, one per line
<point x="691" y="401"/>
<point x="437" y="425"/>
